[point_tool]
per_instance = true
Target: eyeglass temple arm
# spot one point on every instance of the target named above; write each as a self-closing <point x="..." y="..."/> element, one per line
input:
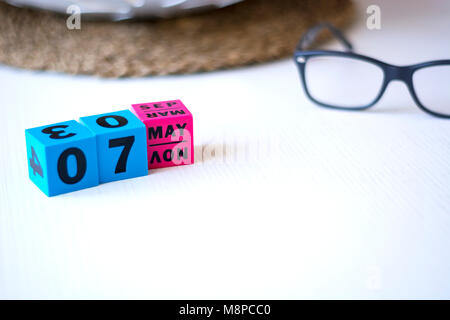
<point x="310" y="36"/>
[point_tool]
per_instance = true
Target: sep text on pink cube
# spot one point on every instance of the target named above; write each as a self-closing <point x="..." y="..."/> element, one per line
<point x="170" y="135"/>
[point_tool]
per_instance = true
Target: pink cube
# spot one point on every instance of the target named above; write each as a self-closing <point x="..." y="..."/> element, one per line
<point x="170" y="135"/>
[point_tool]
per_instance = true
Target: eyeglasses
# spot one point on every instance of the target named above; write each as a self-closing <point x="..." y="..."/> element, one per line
<point x="350" y="81"/>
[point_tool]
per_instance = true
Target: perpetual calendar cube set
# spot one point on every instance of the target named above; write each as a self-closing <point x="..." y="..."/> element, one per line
<point x="71" y="155"/>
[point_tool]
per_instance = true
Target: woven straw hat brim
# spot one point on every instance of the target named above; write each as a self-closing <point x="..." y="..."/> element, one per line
<point x="250" y="32"/>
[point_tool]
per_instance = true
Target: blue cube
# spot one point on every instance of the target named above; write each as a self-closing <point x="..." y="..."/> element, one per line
<point x="121" y="145"/>
<point x="62" y="157"/>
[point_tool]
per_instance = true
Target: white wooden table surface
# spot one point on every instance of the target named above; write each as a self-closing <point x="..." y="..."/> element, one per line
<point x="301" y="202"/>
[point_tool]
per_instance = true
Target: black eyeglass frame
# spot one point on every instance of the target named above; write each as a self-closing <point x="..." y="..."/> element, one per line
<point x="390" y="72"/>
